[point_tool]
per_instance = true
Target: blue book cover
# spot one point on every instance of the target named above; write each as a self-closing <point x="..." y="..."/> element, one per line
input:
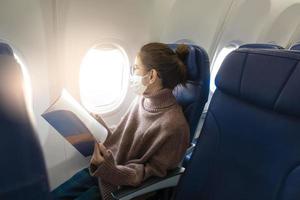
<point x="75" y="124"/>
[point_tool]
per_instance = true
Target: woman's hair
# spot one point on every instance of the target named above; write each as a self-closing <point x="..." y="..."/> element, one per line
<point x="168" y="63"/>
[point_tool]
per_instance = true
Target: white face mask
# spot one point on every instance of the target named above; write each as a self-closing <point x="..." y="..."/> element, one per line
<point x="137" y="84"/>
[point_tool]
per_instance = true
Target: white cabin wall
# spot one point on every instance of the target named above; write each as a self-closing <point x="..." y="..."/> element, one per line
<point x="159" y="17"/>
<point x="281" y="25"/>
<point x="195" y="20"/>
<point x="242" y="24"/>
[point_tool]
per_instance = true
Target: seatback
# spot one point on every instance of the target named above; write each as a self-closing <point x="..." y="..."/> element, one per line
<point x="249" y="147"/>
<point x="295" y="47"/>
<point x="193" y="97"/>
<point x="260" y="46"/>
<point x="22" y="168"/>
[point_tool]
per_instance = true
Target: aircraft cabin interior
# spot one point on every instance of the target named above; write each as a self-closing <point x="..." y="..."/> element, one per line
<point x="150" y="99"/>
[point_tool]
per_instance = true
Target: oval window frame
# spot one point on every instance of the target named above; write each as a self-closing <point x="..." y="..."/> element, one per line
<point x="115" y="106"/>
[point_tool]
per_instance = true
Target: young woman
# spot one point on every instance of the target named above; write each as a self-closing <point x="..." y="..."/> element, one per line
<point x="153" y="135"/>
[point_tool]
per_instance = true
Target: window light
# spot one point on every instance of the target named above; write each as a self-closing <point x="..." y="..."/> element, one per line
<point x="104" y="78"/>
<point x="218" y="62"/>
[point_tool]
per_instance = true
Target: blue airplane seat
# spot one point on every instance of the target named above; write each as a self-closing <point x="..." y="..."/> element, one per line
<point x="260" y="46"/>
<point x="22" y="170"/>
<point x="194" y="95"/>
<point x="249" y="147"/>
<point x="295" y="47"/>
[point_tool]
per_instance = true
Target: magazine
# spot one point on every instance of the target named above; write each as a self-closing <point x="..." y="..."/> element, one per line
<point x="75" y="124"/>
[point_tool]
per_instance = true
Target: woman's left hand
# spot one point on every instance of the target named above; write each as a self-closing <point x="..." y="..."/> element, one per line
<point x="100" y="152"/>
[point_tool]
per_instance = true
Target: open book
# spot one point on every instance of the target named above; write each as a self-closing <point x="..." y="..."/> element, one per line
<point x="74" y="123"/>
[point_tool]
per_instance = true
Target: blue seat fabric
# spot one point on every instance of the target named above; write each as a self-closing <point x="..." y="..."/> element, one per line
<point x="249" y="147"/>
<point x="260" y="46"/>
<point x="295" y="47"/>
<point x="22" y="168"/>
<point x="193" y="97"/>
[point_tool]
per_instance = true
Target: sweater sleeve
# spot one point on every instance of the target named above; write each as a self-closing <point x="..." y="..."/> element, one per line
<point x="166" y="157"/>
<point x="112" y="173"/>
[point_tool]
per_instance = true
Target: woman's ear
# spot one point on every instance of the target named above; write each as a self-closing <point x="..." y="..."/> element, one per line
<point x="153" y="76"/>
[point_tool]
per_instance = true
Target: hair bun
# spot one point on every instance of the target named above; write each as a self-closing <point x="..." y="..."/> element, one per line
<point x="182" y="51"/>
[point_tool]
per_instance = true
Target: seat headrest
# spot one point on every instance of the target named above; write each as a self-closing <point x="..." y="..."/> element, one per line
<point x="11" y="92"/>
<point x="194" y="95"/>
<point x="266" y="78"/>
<point x="195" y="61"/>
<point x="260" y="46"/>
<point x="5" y="49"/>
<point x="295" y="47"/>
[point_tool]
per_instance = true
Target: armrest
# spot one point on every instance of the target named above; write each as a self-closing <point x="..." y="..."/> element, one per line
<point x="189" y="152"/>
<point x="152" y="184"/>
<point x="190" y="149"/>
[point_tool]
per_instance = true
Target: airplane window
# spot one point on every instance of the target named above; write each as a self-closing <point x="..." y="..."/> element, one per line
<point x="104" y="75"/>
<point x="217" y="63"/>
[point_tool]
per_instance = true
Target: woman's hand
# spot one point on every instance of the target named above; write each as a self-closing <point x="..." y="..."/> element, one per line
<point x="100" y="120"/>
<point x="100" y="153"/>
<point x="96" y="116"/>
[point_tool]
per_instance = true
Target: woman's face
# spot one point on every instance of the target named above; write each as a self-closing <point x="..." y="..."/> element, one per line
<point x="150" y="77"/>
<point x="138" y="68"/>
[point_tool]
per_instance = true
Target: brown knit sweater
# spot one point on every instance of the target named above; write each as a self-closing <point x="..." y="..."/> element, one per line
<point x="151" y="138"/>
